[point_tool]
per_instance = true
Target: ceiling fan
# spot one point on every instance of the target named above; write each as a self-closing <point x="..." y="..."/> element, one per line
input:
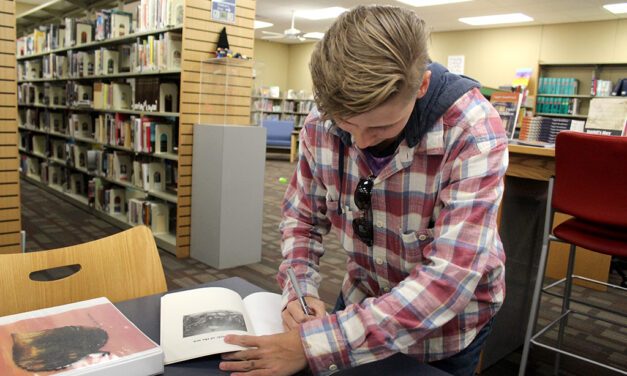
<point x="292" y="33"/>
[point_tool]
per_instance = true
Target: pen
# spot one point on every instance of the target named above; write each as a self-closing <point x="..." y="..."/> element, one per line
<point x="299" y="294"/>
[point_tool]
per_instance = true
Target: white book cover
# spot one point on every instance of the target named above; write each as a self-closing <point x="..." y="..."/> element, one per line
<point x="121" y="96"/>
<point x="195" y="322"/>
<point x="168" y="97"/>
<point x="159" y="218"/>
<point x="157" y="176"/>
<point x="88" y="337"/>
<point x="163" y="139"/>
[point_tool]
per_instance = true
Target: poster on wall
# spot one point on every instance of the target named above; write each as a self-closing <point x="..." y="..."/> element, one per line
<point x="456" y="64"/>
<point x="223" y="10"/>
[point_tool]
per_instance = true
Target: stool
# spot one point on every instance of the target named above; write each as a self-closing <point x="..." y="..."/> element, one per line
<point x="590" y="184"/>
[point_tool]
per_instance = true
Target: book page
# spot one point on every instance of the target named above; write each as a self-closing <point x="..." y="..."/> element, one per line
<point x="264" y="310"/>
<point x="195" y="322"/>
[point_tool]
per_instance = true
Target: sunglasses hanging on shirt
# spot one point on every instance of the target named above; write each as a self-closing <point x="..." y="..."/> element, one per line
<point x="362" y="226"/>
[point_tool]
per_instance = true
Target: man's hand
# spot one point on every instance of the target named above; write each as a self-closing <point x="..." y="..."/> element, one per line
<point x="279" y="354"/>
<point x="293" y="313"/>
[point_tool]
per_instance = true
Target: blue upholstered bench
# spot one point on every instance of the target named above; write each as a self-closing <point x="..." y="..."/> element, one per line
<point x="279" y="133"/>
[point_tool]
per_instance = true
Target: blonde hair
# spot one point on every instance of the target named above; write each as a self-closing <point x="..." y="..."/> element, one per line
<point x="367" y="56"/>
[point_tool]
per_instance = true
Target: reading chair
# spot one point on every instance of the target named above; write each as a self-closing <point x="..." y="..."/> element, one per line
<point x="120" y="267"/>
<point x="589" y="185"/>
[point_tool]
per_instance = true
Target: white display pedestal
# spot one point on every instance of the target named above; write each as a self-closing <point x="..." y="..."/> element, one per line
<point x="227" y="194"/>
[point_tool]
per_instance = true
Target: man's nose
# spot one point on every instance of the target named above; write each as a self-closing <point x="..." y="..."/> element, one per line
<point x="362" y="139"/>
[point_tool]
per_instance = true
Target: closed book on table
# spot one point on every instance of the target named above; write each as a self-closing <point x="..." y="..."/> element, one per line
<point x="91" y="337"/>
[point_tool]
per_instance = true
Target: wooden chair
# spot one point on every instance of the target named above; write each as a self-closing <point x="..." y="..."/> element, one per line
<point x="120" y="267"/>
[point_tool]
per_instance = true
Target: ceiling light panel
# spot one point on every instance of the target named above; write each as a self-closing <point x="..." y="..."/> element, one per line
<point x="315" y="35"/>
<point x="496" y="19"/>
<point x="616" y="8"/>
<point x="321" y="14"/>
<point x="262" y="24"/>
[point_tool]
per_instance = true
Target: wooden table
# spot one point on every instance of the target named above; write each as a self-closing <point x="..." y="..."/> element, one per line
<point x="294" y="145"/>
<point x="145" y="314"/>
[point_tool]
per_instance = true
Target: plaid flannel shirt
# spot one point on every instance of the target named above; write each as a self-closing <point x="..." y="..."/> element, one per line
<point x="435" y="274"/>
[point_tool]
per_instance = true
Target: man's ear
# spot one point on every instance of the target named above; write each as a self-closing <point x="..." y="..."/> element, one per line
<point x="424" y="85"/>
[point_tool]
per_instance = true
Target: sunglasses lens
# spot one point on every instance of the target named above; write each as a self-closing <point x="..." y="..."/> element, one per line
<point x="363" y="229"/>
<point x="362" y="194"/>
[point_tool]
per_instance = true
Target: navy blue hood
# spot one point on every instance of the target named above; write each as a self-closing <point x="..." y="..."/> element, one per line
<point x="444" y="89"/>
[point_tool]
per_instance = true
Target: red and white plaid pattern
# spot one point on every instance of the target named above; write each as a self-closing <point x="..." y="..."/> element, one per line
<point x="435" y="274"/>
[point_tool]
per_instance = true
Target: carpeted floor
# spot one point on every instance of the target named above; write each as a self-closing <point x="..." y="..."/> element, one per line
<point x="51" y="222"/>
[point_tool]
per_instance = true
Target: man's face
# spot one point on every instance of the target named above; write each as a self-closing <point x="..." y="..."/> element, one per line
<point x="382" y="125"/>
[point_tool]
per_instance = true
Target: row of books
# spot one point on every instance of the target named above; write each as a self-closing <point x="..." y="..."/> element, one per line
<point x="601" y="88"/>
<point x="141" y="172"/>
<point x="142" y="93"/>
<point x="140" y="134"/>
<point x="149" y="54"/>
<point x="103" y="195"/>
<point x="554" y="85"/>
<point x="297" y="106"/>
<point x="155" y="14"/>
<point x="113" y="23"/>
<point x="266" y="105"/>
<point x="558" y="105"/>
<point x="545" y="129"/>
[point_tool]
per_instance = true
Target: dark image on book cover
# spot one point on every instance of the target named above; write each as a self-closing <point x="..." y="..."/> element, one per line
<point x="58" y="348"/>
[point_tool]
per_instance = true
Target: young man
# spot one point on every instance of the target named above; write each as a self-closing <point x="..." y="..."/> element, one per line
<point x="405" y="163"/>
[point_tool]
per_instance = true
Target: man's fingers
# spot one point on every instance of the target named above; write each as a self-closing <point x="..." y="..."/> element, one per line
<point x="244" y="365"/>
<point x="244" y="341"/>
<point x="288" y="320"/>
<point x="242" y="355"/>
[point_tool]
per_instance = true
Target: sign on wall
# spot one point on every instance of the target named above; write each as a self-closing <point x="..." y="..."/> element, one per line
<point x="456" y="64"/>
<point x="223" y="10"/>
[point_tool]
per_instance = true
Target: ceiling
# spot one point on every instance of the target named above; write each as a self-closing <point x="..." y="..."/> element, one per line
<point x="441" y="17"/>
<point x="438" y="18"/>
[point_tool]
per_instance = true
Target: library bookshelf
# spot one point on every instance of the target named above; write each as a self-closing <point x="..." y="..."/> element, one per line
<point x="199" y="34"/>
<point x="277" y="108"/>
<point x="10" y="217"/>
<point x="585" y="74"/>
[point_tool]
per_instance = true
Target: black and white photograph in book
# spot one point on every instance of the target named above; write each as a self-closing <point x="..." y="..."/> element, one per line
<point x="215" y="321"/>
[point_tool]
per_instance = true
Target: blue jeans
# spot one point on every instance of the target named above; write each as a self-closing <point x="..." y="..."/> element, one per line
<point x="464" y="362"/>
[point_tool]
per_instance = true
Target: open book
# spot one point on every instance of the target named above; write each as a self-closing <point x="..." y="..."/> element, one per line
<point x="89" y="337"/>
<point x="195" y="322"/>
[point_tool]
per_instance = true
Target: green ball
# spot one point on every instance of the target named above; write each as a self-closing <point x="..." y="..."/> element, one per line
<point x="282" y="180"/>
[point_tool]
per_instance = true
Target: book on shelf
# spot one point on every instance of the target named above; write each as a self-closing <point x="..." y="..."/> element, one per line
<point x="195" y="322"/>
<point x="508" y="106"/>
<point x="543" y="129"/>
<point x="84" y="31"/>
<point x="168" y="97"/>
<point x="164" y="138"/>
<point x="157" y="14"/>
<point x="620" y="89"/>
<point x="87" y="337"/>
<point x="607" y="116"/>
<point x="156" y="170"/>
<point x="120" y="23"/>
<point x="150" y="213"/>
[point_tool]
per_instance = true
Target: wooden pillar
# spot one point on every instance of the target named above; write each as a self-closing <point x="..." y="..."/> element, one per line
<point x="200" y="37"/>
<point x="10" y="222"/>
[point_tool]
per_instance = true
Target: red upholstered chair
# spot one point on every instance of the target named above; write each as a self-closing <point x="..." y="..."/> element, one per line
<point x="590" y="184"/>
